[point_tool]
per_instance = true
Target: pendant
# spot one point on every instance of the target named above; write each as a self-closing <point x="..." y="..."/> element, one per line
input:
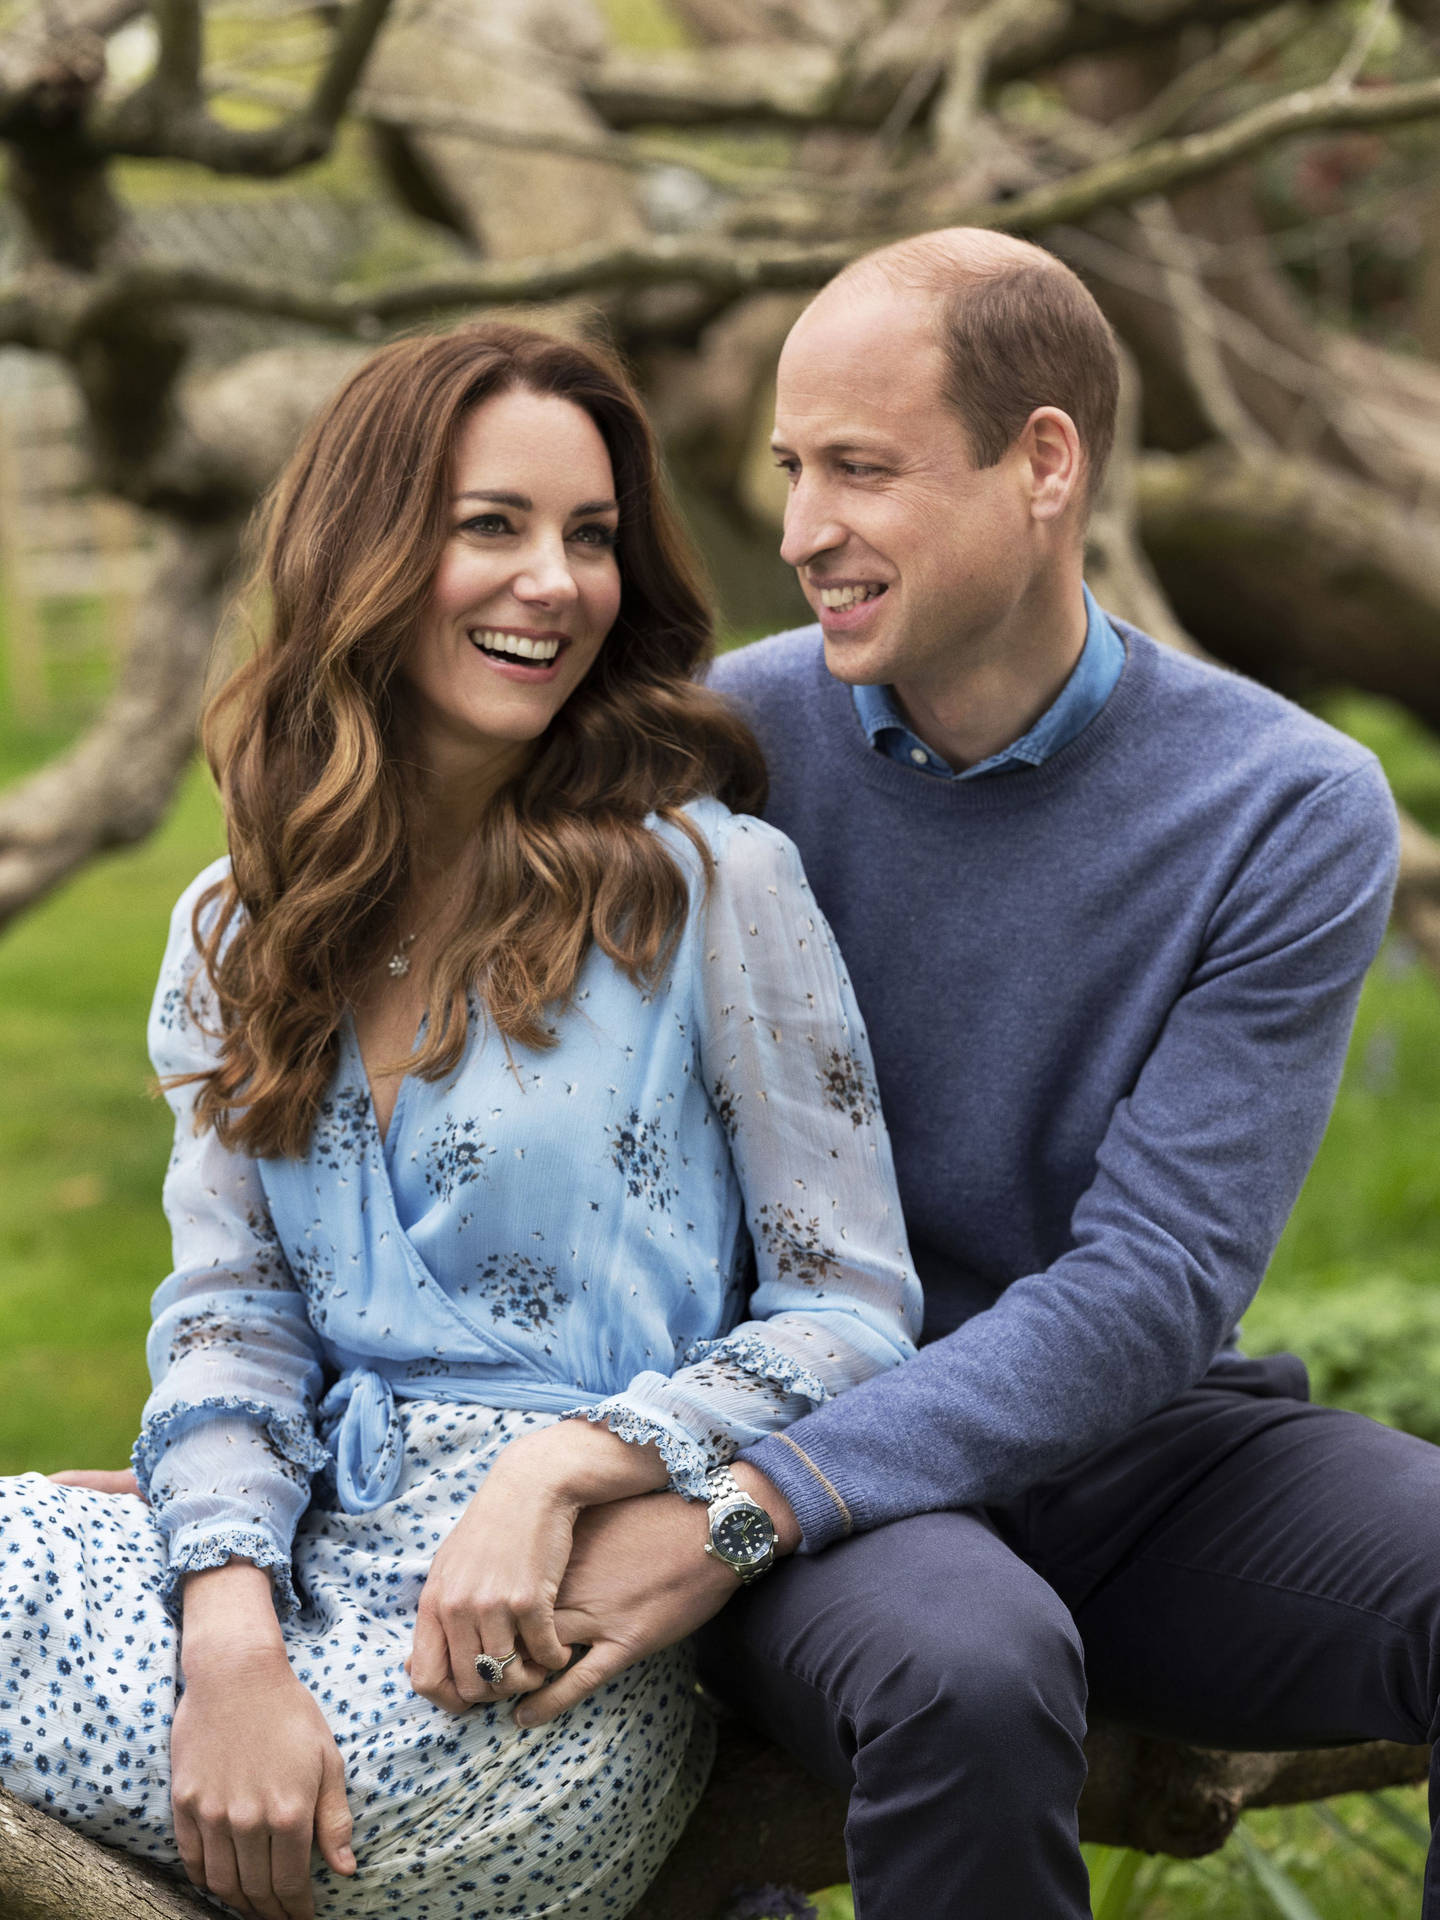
<point x="398" y="965"/>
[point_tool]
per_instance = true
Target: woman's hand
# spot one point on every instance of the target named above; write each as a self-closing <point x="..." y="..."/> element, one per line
<point x="255" y="1772"/>
<point x="493" y="1583"/>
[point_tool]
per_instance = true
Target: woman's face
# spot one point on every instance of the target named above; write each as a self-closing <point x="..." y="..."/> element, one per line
<point x="528" y="585"/>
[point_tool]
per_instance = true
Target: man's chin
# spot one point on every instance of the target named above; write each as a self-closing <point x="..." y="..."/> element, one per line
<point x="855" y="659"/>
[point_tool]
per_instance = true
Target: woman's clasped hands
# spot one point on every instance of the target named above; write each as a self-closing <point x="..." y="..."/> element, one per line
<point x="492" y="1587"/>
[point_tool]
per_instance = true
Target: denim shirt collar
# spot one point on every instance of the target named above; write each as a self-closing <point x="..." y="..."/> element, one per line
<point x="1074" y="707"/>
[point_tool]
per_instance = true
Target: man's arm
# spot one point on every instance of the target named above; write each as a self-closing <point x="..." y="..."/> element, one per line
<point x="640" y="1579"/>
<point x="1195" y="1178"/>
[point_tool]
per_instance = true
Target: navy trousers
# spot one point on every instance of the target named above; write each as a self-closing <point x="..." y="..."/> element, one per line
<point x="1244" y="1569"/>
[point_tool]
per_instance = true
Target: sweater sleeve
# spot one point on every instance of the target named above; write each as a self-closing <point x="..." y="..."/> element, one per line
<point x="788" y="1071"/>
<point x="227" y="1442"/>
<point x="1194" y="1180"/>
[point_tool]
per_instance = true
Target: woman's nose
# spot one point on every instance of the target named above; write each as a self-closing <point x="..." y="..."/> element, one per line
<point x="546" y="576"/>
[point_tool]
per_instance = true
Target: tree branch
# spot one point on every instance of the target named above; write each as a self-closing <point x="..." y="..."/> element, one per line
<point x="814" y="85"/>
<point x="158" y="123"/>
<point x="1230" y="61"/>
<point x="50" y="1872"/>
<point x="722" y="268"/>
<point x="115" y="784"/>
<point x="1167" y="164"/>
<point x="181" y="53"/>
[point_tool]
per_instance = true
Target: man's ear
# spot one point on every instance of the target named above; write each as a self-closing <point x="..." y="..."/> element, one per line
<point x="1055" y="460"/>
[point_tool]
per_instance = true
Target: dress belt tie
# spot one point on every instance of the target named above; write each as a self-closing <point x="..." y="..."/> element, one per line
<point x="363" y="1432"/>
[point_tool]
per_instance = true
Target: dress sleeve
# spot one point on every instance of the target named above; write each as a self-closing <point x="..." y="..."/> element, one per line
<point x="227" y="1441"/>
<point x="788" y="1072"/>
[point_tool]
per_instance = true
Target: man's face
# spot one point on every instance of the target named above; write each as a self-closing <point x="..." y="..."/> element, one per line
<point x="911" y="556"/>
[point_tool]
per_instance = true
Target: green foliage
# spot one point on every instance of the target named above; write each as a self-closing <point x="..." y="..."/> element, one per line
<point x="1374" y="1347"/>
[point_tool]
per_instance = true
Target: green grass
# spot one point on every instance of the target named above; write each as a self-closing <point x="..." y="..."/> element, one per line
<point x="82" y="1239"/>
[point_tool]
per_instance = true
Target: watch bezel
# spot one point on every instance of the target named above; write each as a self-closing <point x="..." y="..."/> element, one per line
<point x="753" y="1563"/>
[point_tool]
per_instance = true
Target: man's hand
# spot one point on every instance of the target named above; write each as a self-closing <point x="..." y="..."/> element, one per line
<point x="639" y="1579"/>
<point x="99" y="1479"/>
<point x="493" y="1583"/>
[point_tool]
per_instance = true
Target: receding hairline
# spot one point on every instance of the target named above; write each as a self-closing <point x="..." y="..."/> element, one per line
<point x="941" y="264"/>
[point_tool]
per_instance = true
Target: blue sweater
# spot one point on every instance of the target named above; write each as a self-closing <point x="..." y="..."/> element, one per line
<point x="1109" y="1001"/>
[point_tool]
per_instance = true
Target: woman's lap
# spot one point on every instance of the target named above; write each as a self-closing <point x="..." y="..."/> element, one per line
<point x="452" y="1815"/>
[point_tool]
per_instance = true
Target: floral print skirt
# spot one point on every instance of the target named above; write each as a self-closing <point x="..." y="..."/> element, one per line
<point x="454" y="1817"/>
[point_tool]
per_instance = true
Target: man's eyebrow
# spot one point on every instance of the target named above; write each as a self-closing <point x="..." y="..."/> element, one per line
<point x="872" y="449"/>
<point x="524" y="504"/>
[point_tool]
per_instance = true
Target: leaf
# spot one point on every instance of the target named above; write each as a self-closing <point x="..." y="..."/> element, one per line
<point x="1113" y="1902"/>
<point x="1402" y="1821"/>
<point x="1280" y="1889"/>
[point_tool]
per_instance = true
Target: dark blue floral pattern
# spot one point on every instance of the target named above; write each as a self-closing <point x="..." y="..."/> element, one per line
<point x="638" y="1150"/>
<point x="456" y="1157"/>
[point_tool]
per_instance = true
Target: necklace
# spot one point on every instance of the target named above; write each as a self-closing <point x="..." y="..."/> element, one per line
<point x="398" y="965"/>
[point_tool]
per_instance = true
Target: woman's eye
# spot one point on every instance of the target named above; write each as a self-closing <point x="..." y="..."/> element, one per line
<point x="596" y="534"/>
<point x="487" y="523"/>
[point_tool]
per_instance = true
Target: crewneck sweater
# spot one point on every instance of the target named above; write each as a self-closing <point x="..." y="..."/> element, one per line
<point x="1109" y="1000"/>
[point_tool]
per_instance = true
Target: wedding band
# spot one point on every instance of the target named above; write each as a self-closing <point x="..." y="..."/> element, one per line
<point x="491" y="1670"/>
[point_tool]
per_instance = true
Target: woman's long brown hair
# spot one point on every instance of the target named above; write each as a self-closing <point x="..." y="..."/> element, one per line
<point x="321" y="806"/>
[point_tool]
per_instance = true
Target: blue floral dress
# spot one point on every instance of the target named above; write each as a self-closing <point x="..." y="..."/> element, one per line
<point x="349" y="1338"/>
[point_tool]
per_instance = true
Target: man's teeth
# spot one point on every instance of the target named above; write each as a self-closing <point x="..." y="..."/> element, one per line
<point x="493" y="641"/>
<point x="839" y="598"/>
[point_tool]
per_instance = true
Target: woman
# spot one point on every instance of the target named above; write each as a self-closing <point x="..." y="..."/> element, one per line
<point x="484" y="1047"/>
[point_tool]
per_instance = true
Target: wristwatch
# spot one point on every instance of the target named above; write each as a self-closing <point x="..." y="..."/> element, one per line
<point x="742" y="1534"/>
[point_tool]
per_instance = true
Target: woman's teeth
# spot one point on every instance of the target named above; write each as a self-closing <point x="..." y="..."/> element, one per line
<point x="839" y="598"/>
<point x="514" y="645"/>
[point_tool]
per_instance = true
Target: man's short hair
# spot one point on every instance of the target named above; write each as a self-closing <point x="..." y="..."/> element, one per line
<point x="1018" y="331"/>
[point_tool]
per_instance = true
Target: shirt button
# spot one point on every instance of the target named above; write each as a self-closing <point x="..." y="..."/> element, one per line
<point x="919" y="756"/>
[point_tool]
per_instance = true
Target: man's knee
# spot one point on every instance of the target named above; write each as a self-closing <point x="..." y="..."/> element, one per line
<point x="930" y="1629"/>
<point x="961" y="1673"/>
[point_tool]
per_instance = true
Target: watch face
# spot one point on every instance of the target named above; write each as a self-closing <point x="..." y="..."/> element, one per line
<point x="743" y="1535"/>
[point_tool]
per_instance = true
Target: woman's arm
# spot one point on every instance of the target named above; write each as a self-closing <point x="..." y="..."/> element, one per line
<point x="227" y="1441"/>
<point x="226" y="1448"/>
<point x="788" y="1070"/>
<point x="256" y="1775"/>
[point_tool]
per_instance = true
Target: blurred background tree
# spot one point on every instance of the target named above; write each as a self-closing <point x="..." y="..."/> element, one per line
<point x="210" y="213"/>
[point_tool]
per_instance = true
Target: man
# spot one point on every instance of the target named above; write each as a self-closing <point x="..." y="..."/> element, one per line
<point x="1107" y="912"/>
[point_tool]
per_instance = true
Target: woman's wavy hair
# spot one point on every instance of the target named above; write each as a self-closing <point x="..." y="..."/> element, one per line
<point x="320" y="804"/>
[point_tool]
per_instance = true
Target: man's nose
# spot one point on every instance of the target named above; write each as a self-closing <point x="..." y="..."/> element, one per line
<point x="810" y="528"/>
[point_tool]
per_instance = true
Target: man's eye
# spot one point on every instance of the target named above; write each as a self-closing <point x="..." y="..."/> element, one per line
<point x="857" y="469"/>
<point x="789" y="467"/>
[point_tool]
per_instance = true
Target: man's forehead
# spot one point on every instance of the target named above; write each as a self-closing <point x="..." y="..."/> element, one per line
<point x="869" y="354"/>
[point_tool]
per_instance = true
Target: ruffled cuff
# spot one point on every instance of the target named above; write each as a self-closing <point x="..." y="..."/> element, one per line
<point x="753" y="1354"/>
<point x="193" y="1552"/>
<point x="642" y="1417"/>
<point x="293" y="1437"/>
<point x="686" y="1460"/>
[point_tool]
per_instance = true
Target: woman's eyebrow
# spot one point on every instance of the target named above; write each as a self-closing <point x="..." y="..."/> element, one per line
<point x="518" y="500"/>
<point x="524" y="504"/>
